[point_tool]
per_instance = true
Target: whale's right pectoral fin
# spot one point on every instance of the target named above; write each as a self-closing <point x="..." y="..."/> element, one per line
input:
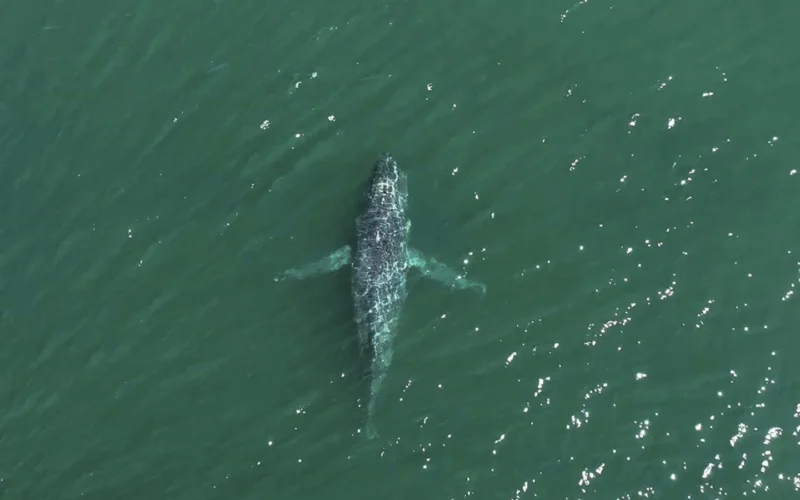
<point x="331" y="262"/>
<point x="432" y="268"/>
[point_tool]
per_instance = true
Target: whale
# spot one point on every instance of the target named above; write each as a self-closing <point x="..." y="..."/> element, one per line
<point x="379" y="267"/>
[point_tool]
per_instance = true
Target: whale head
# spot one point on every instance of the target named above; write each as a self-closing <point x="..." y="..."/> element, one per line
<point x="386" y="167"/>
<point x="389" y="183"/>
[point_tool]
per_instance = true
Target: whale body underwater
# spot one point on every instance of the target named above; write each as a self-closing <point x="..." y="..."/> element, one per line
<point x="379" y="268"/>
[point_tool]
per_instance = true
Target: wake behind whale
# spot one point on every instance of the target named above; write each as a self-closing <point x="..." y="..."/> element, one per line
<point x="379" y="268"/>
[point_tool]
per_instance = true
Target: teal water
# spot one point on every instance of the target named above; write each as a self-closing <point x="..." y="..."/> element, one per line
<point x="621" y="175"/>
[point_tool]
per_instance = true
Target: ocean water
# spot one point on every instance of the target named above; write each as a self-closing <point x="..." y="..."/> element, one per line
<point x="621" y="175"/>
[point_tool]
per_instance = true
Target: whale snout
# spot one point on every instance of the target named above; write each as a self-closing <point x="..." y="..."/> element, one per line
<point x="386" y="166"/>
<point x="388" y="179"/>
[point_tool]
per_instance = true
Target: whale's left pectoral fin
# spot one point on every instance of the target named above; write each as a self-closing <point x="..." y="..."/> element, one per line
<point x="331" y="262"/>
<point x="432" y="268"/>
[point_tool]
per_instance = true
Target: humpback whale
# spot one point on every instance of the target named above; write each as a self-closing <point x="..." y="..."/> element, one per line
<point x="379" y="267"/>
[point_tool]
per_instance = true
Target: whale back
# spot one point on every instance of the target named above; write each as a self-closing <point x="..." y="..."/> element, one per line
<point x="380" y="261"/>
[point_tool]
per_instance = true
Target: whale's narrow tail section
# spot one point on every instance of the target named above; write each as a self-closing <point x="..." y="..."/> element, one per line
<point x="372" y="433"/>
<point x="375" y="386"/>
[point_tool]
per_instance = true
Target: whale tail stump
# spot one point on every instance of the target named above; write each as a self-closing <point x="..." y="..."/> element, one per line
<point x="375" y="385"/>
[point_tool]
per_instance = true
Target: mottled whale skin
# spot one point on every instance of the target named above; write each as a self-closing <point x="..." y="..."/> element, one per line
<point x="379" y="269"/>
